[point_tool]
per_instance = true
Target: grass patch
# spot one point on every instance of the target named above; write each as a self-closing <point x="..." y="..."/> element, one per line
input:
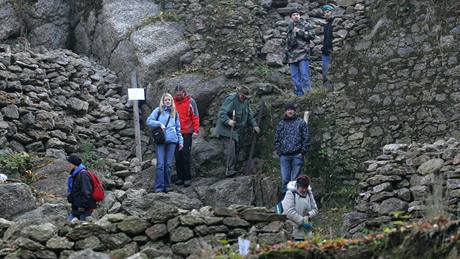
<point x="19" y="166"/>
<point x="161" y="17"/>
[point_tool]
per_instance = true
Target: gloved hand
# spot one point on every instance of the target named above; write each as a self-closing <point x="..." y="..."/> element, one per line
<point x="306" y="223"/>
<point x="307" y="226"/>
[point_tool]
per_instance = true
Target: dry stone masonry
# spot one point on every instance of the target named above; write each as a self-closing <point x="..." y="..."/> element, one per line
<point x="52" y="102"/>
<point x="164" y="231"/>
<point x="397" y="83"/>
<point x="412" y="179"/>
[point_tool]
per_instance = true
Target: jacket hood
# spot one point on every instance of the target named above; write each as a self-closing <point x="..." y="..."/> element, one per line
<point x="291" y="186"/>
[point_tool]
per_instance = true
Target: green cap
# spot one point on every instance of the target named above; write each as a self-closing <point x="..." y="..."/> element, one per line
<point x="328" y="7"/>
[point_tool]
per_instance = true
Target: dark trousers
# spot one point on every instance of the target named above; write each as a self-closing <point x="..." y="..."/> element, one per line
<point x="231" y="151"/>
<point x="81" y="215"/>
<point x="183" y="159"/>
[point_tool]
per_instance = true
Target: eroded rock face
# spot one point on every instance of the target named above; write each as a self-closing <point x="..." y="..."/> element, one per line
<point x="48" y="23"/>
<point x="124" y="34"/>
<point x="9" y="22"/>
<point x="16" y="198"/>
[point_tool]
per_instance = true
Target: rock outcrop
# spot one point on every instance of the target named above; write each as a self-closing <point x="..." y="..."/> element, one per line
<point x="124" y="35"/>
<point x="16" y="198"/>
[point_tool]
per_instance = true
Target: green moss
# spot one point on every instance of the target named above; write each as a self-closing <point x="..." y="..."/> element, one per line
<point x="161" y="17"/>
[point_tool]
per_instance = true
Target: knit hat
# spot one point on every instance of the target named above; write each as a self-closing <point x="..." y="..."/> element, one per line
<point x="328" y="7"/>
<point x="75" y="160"/>
<point x="290" y="106"/>
<point x="295" y="10"/>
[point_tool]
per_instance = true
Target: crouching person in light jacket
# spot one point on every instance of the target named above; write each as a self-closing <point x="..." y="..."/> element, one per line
<point x="299" y="206"/>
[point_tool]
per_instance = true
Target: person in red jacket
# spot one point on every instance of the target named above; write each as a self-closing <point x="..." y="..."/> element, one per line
<point x="189" y="127"/>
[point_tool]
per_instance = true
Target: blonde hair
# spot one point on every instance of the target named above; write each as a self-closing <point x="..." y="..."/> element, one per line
<point x="173" y="107"/>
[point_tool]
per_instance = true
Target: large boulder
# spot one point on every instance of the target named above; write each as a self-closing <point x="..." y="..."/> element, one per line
<point x="124" y="34"/>
<point x="200" y="87"/>
<point x="158" y="48"/>
<point x="48" y="23"/>
<point x="55" y="213"/>
<point x="139" y="202"/>
<point x="207" y="155"/>
<point x="16" y="198"/>
<point x="53" y="177"/>
<point x="238" y="190"/>
<point x="9" y="22"/>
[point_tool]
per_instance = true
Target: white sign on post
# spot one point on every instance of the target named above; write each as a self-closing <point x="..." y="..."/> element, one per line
<point x="136" y="94"/>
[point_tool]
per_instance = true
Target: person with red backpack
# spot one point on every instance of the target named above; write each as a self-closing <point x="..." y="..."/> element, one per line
<point x="189" y="127"/>
<point x="80" y="190"/>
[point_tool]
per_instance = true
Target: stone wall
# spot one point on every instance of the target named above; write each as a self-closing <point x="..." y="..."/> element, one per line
<point x="238" y="38"/>
<point x="418" y="180"/>
<point x="397" y="83"/>
<point x="52" y="102"/>
<point x="165" y="230"/>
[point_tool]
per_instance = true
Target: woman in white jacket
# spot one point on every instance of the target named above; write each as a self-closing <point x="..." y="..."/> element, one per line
<point x="299" y="206"/>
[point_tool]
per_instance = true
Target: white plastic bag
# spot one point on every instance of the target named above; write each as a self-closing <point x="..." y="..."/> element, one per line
<point x="3" y="178"/>
<point x="243" y="245"/>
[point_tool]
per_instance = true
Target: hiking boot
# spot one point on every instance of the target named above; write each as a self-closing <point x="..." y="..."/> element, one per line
<point x="168" y="189"/>
<point x="187" y="183"/>
<point x="179" y="182"/>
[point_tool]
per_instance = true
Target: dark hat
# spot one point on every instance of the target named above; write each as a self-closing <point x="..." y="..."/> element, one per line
<point x="328" y="7"/>
<point x="290" y="106"/>
<point x="73" y="159"/>
<point x="243" y="90"/>
<point x="295" y="10"/>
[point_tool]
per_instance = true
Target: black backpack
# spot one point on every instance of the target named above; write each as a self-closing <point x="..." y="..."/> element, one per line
<point x="158" y="134"/>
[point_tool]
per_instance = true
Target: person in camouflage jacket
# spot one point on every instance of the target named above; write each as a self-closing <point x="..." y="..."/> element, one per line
<point x="300" y="34"/>
<point x="292" y="140"/>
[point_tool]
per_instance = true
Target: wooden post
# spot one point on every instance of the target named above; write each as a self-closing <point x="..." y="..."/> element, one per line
<point x="137" y="128"/>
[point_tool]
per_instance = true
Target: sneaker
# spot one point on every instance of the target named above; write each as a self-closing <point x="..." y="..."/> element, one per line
<point x="179" y="182"/>
<point x="187" y="183"/>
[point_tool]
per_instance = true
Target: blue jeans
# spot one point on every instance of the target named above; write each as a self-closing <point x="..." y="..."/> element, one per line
<point x="300" y="74"/>
<point x="290" y="168"/>
<point x="325" y="67"/>
<point x="165" y="157"/>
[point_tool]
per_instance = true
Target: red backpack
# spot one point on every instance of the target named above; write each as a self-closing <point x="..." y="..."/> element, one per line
<point x="98" y="190"/>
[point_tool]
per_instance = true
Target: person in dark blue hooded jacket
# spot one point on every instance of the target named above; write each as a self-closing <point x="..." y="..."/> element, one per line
<point x="79" y="190"/>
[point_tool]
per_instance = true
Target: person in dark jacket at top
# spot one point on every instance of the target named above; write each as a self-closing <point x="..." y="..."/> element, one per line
<point x="292" y="140"/>
<point x="299" y="40"/>
<point x="189" y="127"/>
<point x="79" y="190"/>
<point x="328" y="11"/>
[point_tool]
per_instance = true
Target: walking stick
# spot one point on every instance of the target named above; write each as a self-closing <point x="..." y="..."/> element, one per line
<point x="231" y="139"/>
<point x="250" y="165"/>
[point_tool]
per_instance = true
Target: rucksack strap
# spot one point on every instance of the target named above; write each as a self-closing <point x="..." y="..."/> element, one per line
<point x="158" y="116"/>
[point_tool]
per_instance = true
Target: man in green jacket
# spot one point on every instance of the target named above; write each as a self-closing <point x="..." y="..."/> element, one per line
<point x="233" y="116"/>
